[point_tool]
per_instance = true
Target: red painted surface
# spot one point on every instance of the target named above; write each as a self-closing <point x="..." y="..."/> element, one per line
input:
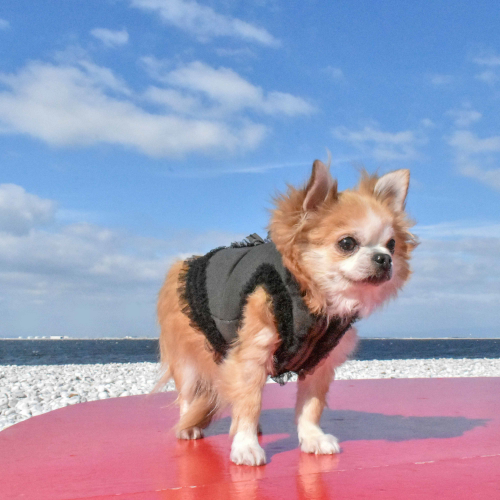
<point x="401" y="439"/>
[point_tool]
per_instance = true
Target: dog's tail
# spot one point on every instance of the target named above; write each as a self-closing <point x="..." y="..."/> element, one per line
<point x="165" y="376"/>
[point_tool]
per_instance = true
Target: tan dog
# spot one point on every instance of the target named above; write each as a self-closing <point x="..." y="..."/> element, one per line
<point x="346" y="252"/>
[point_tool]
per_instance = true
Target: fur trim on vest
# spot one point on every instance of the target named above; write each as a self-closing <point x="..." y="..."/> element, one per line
<point x="214" y="289"/>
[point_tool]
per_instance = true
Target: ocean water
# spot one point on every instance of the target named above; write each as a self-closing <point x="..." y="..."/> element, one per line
<point x="92" y="351"/>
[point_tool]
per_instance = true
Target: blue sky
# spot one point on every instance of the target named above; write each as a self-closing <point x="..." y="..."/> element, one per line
<point x="133" y="132"/>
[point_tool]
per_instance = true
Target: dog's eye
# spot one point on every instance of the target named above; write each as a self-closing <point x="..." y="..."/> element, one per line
<point x="391" y="245"/>
<point x="348" y="244"/>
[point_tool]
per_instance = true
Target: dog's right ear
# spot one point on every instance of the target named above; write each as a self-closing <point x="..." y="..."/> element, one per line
<point x="320" y="186"/>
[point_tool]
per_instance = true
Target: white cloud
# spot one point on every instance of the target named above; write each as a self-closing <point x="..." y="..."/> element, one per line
<point x="474" y="156"/>
<point x="82" y="279"/>
<point x="77" y="256"/>
<point x="489" y="77"/>
<point x="203" y="22"/>
<point x="79" y="278"/>
<point x="378" y="144"/>
<point x="111" y="38"/>
<point x="427" y="123"/>
<point x="174" y="100"/>
<point x="103" y="78"/>
<point x="21" y="211"/>
<point x="336" y="74"/>
<point x="464" y="117"/>
<point x="75" y="102"/>
<point x="370" y="134"/>
<point x="222" y="85"/>
<point x="87" y="257"/>
<point x="231" y="92"/>
<point x="491" y="60"/>
<point x="242" y="53"/>
<point x="441" y="80"/>
<point x="240" y="169"/>
<point x="469" y="143"/>
<point x="458" y="269"/>
<point x="459" y="230"/>
<point x="490" y="177"/>
<point x="156" y="68"/>
<point x="4" y="24"/>
<point x="77" y="105"/>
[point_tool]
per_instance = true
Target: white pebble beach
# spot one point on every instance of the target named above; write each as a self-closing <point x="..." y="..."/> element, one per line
<point x="27" y="391"/>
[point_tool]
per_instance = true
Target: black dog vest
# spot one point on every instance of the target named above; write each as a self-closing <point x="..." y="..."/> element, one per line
<point x="214" y="289"/>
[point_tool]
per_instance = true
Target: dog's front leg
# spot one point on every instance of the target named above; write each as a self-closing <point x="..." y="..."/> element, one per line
<point x="311" y="400"/>
<point x="244" y="374"/>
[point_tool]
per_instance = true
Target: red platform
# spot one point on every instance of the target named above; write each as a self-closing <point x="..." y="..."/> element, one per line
<point x="401" y="439"/>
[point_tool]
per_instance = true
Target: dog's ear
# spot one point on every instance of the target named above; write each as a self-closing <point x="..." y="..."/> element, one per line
<point x="320" y="186"/>
<point x="393" y="187"/>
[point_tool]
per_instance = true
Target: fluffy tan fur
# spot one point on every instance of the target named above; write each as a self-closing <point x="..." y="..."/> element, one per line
<point x="306" y="226"/>
<point x="293" y="230"/>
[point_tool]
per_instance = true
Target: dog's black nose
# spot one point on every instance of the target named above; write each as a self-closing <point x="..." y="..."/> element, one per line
<point x="383" y="260"/>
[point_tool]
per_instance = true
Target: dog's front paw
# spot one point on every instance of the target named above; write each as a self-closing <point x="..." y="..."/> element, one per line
<point x="319" y="444"/>
<point x="190" y="433"/>
<point x="246" y="450"/>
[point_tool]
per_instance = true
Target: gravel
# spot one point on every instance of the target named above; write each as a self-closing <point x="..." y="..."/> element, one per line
<point x="27" y="391"/>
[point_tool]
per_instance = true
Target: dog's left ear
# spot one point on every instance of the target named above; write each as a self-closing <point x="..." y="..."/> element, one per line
<point x="393" y="187"/>
<point x="320" y="185"/>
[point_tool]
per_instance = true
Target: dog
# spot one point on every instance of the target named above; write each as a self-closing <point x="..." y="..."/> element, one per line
<point x="281" y="306"/>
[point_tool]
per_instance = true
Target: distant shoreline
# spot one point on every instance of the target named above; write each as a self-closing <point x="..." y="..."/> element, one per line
<point x="133" y="350"/>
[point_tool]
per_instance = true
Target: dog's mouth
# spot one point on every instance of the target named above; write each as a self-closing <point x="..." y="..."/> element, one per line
<point x="378" y="279"/>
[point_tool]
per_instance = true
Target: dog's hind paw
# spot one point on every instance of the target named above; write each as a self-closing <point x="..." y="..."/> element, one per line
<point x="246" y="450"/>
<point x="320" y="444"/>
<point x="190" y="433"/>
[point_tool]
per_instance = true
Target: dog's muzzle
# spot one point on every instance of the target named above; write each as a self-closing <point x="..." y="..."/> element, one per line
<point x="382" y="263"/>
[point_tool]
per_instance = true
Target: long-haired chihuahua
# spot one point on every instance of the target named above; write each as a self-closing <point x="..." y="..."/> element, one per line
<point x="283" y="306"/>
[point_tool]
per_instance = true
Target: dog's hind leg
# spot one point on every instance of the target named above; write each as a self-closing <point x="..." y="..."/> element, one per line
<point x="195" y="416"/>
<point x="197" y="402"/>
<point x="185" y="358"/>
<point x="311" y="400"/>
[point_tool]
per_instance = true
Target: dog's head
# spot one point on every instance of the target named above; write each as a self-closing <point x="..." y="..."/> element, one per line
<point x="349" y="250"/>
